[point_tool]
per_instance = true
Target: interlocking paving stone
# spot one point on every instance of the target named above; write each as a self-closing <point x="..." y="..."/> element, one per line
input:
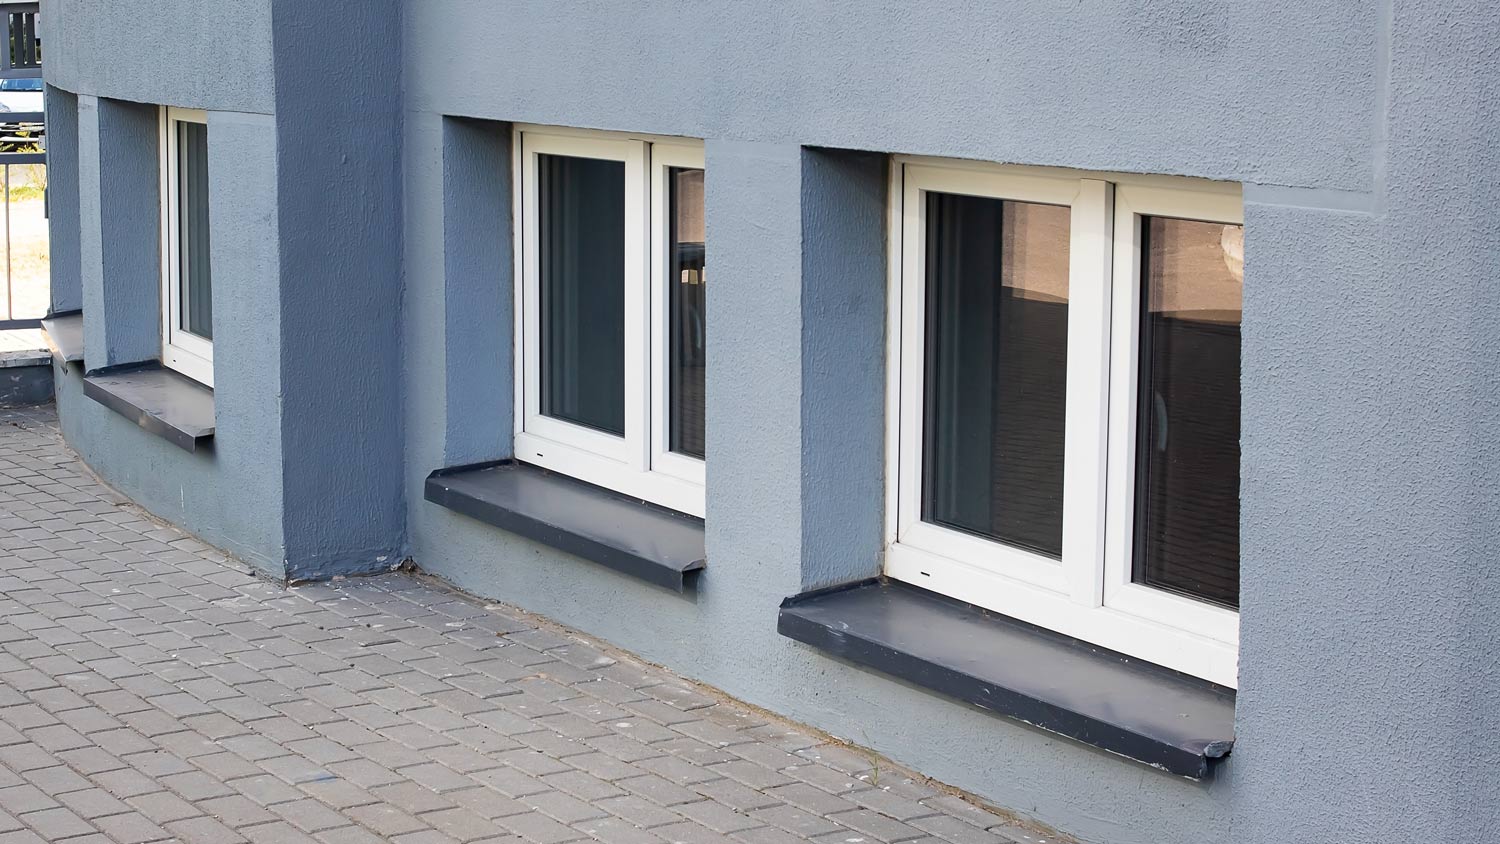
<point x="153" y="689"/>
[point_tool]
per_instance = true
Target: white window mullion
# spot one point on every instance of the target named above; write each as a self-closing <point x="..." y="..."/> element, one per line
<point x="638" y="230"/>
<point x="528" y="299"/>
<point x="1084" y="466"/>
<point x="910" y="362"/>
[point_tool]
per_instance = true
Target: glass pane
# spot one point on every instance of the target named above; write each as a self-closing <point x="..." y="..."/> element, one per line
<point x="996" y="369"/>
<point x="197" y="292"/>
<point x="686" y="314"/>
<point x="1188" y="457"/>
<point x="581" y="246"/>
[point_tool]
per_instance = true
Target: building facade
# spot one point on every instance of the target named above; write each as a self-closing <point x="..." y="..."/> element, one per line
<point x="1094" y="407"/>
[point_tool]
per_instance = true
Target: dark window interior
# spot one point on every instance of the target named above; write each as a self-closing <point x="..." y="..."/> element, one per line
<point x="996" y="369"/>
<point x="1188" y="460"/>
<point x="581" y="246"/>
<point x="685" y="284"/>
<point x="197" y="292"/>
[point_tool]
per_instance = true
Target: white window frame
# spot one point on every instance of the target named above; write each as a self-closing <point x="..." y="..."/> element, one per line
<point x="181" y="350"/>
<point x="1088" y="594"/>
<point x="639" y="464"/>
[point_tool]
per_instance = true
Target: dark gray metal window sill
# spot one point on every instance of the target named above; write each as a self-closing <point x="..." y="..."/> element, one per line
<point x="64" y="335"/>
<point x="1098" y="697"/>
<point x="162" y="402"/>
<point x="652" y="543"/>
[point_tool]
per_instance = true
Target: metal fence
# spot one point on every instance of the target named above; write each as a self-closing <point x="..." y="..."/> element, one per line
<point x="19" y="129"/>
<point x="21" y="52"/>
<point x="22" y="134"/>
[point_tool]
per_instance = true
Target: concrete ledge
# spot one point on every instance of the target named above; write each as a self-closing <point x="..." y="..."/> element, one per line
<point x="655" y="544"/>
<point x="160" y="401"/>
<point x="1147" y="713"/>
<point x="25" y="377"/>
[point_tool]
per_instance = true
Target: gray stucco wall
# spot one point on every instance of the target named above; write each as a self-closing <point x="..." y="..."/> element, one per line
<point x="1371" y="623"/>
<point x="214" y="55"/>
<point x="339" y="187"/>
<point x="62" y="201"/>
<point x="119" y="249"/>
<point x="1363" y="134"/>
<point x="231" y="494"/>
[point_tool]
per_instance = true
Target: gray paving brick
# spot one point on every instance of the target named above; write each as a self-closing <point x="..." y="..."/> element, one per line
<point x="513" y="782"/>
<point x="563" y="807"/>
<point x="18" y="799"/>
<point x="385" y="821"/>
<point x="309" y="815"/>
<point x="236" y="811"/>
<point x="718" y="817"/>
<point x="582" y="785"/>
<point x="751" y="774"/>
<point x="349" y="835"/>
<point x="153" y="690"/>
<point x="131" y="828"/>
<point x="163" y="806"/>
<point x="55" y="781"/>
<point x="486" y="803"/>
<point x="203" y="831"/>
<point x="657" y="790"/>
<point x="461" y="825"/>
<point x="56" y="824"/>
<point x="91" y="803"/>
<point x="537" y="827"/>
<point x="884" y="801"/>
<point x="956" y="831"/>
<point x="617" y="831"/>
<point x="877" y="825"/>
<point x="767" y="835"/>
<point x="796" y="820"/>
<point x="688" y="832"/>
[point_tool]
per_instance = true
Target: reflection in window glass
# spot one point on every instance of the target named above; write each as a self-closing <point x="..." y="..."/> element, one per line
<point x="996" y="368"/>
<point x="686" y="309"/>
<point x="196" y="293"/>
<point x="1188" y="461"/>
<point x="581" y="259"/>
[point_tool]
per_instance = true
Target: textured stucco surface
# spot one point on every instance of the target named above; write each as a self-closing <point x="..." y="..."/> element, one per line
<point x="1370" y="651"/>
<point x="844" y="283"/>
<point x="1363" y="133"/>
<point x="119" y="218"/>
<point x="339" y="187"/>
<point x="477" y="293"/>
<point x="187" y="53"/>
<point x="1204" y="87"/>
<point x="62" y="201"/>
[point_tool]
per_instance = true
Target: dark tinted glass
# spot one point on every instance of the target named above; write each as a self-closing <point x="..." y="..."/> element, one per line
<point x="996" y="369"/>
<point x="581" y="246"/>
<point x="1188" y="460"/>
<point x="197" y="293"/>
<point x="686" y="311"/>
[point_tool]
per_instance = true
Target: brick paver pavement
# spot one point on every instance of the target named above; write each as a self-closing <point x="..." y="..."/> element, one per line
<point x="152" y="689"/>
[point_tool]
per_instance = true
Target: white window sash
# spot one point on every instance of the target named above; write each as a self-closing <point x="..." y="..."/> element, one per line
<point x="1088" y="594"/>
<point x="181" y="350"/>
<point x="663" y="158"/>
<point x="1120" y="591"/>
<point x="629" y="464"/>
